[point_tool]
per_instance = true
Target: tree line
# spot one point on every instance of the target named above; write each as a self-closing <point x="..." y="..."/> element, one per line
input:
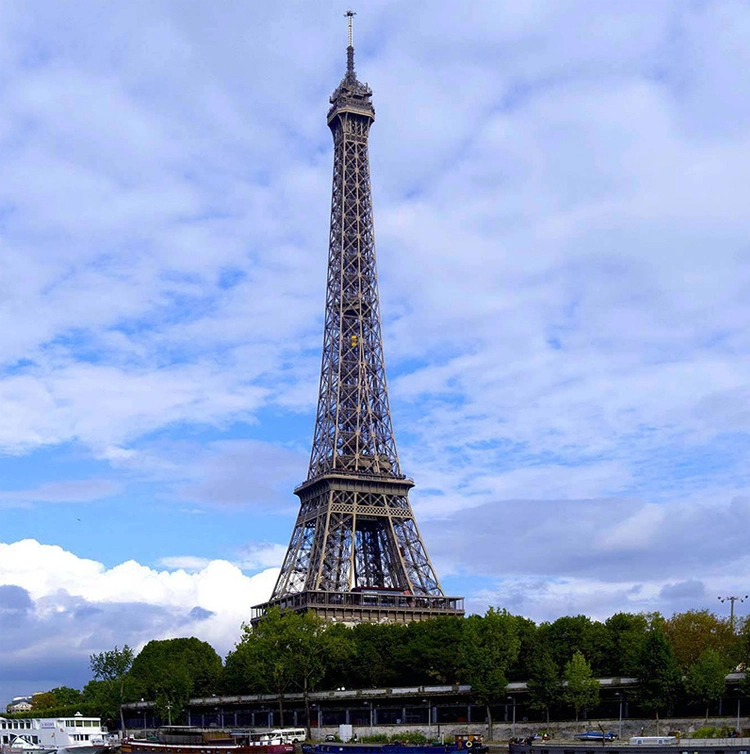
<point x="684" y="657"/>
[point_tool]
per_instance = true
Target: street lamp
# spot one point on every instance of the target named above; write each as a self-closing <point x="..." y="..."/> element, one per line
<point x="732" y="599"/>
<point x="429" y="717"/>
<point x="513" y="724"/>
<point x="619" y="730"/>
<point x="739" y="698"/>
<point x="168" y="705"/>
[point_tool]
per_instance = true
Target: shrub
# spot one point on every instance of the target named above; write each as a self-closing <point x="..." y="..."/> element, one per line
<point x="413" y="737"/>
<point x="707" y="731"/>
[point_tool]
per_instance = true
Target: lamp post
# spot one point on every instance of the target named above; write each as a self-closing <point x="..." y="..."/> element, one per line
<point x="168" y="705"/>
<point x="731" y="599"/>
<point x="738" y="715"/>
<point x="429" y="717"/>
<point x="513" y="724"/>
<point x="619" y="730"/>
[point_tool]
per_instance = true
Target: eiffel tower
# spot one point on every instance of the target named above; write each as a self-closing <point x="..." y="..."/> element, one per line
<point x="355" y="554"/>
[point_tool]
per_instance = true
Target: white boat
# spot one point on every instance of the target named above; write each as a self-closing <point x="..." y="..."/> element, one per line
<point x="55" y="735"/>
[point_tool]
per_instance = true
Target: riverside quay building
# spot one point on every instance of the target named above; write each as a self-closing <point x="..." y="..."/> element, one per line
<point x="434" y="709"/>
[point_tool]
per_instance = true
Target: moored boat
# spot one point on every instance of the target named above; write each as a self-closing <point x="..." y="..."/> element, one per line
<point x="187" y="740"/>
<point x="639" y="744"/>
<point x="55" y="735"/>
<point x="466" y="744"/>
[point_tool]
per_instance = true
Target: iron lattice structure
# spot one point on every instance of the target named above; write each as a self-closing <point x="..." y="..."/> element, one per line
<point x="355" y="553"/>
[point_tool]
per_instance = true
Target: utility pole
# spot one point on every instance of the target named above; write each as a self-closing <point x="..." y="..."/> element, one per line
<point x="732" y="599"/>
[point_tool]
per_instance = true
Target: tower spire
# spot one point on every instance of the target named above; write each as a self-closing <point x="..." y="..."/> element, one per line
<point x="350" y="49"/>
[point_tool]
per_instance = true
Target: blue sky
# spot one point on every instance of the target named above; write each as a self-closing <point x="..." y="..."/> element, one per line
<point x="562" y="232"/>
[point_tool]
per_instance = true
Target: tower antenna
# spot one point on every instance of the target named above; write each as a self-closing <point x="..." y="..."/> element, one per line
<point x="350" y="15"/>
<point x="350" y="49"/>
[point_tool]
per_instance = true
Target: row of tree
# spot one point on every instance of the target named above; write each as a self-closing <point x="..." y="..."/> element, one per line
<point x="688" y="654"/>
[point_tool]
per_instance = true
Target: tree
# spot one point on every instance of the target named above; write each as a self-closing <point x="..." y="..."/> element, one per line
<point x="112" y="667"/>
<point x="428" y="654"/>
<point x="706" y="678"/>
<point x="569" y="634"/>
<point x="263" y="659"/>
<point x="626" y="635"/>
<point x="545" y="684"/>
<point x="44" y="701"/>
<point x="170" y="671"/>
<point x="489" y="646"/>
<point x="375" y="661"/>
<point x="311" y="644"/>
<point x="692" y="632"/>
<point x="658" y="673"/>
<point x="582" y="689"/>
<point x="66" y="696"/>
<point x="520" y="670"/>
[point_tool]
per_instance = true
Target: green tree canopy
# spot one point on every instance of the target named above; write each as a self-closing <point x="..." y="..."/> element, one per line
<point x="428" y="654"/>
<point x="545" y="685"/>
<point x="170" y="671"/>
<point x="692" y="632"/>
<point x="526" y="629"/>
<point x="626" y="636"/>
<point x="582" y="689"/>
<point x="578" y="633"/>
<point x="287" y="651"/>
<point x="706" y="678"/>
<point x="110" y="669"/>
<point x="658" y="673"/>
<point x="488" y="648"/>
<point x="44" y="701"/>
<point x="65" y="696"/>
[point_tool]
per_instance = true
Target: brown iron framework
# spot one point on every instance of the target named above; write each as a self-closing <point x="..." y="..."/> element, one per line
<point x="355" y="553"/>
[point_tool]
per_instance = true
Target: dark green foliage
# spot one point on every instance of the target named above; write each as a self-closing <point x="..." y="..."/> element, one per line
<point x="626" y="635"/>
<point x="110" y="669"/>
<point x="658" y="673"/>
<point x="706" y="678"/>
<point x="428" y="654"/>
<point x="66" y="696"/>
<point x="44" y="701"/>
<point x="578" y="633"/>
<point x="171" y="671"/>
<point x="377" y="650"/>
<point x="285" y="652"/>
<point x="545" y="684"/>
<point x="526" y="630"/>
<point x="582" y="689"/>
<point x="489" y="646"/>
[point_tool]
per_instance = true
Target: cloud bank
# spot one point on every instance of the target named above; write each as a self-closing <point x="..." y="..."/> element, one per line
<point x="56" y="609"/>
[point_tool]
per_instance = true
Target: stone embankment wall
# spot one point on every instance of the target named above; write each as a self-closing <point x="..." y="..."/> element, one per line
<point x="502" y="731"/>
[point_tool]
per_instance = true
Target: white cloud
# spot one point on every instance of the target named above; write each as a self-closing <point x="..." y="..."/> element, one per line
<point x="59" y="583"/>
